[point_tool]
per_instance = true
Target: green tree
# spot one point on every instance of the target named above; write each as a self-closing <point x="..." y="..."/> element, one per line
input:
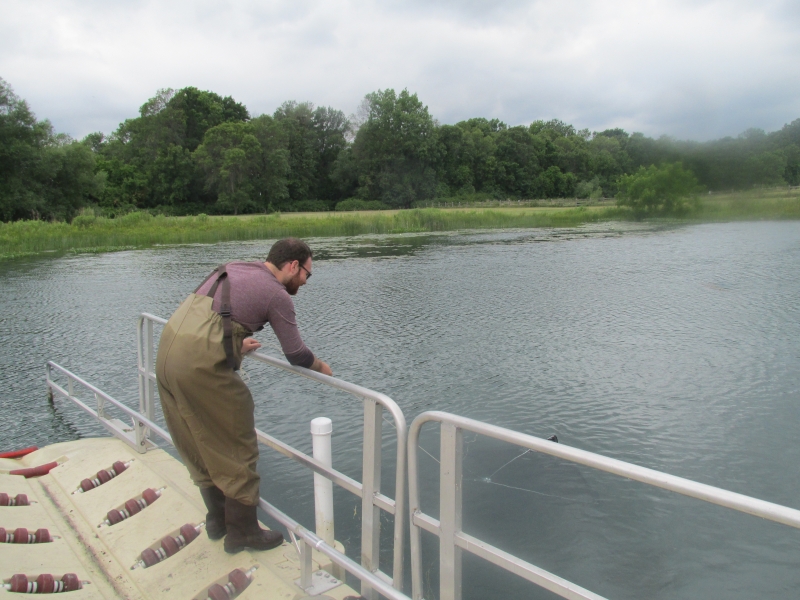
<point x="467" y="161"/>
<point x="148" y="160"/>
<point x="68" y="169"/>
<point x="395" y="150"/>
<point x="314" y="137"/>
<point x="663" y="190"/>
<point x="608" y="158"/>
<point x="272" y="164"/>
<point x="766" y="168"/>
<point x="297" y="123"/>
<point x="332" y="129"/>
<point x="519" y="155"/>
<point x="792" y="172"/>
<point x="229" y="156"/>
<point x="22" y="141"/>
<point x="196" y="111"/>
<point x="42" y="175"/>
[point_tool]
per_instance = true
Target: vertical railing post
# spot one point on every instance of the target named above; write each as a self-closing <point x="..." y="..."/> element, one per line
<point x="101" y="406"/>
<point x="400" y="491"/>
<point x="144" y="338"/>
<point x="149" y="385"/>
<point x="450" y="498"/>
<point x="414" y="508"/>
<point x="321" y="429"/>
<point x="371" y="485"/>
<point x="140" y="360"/>
<point x="306" y="566"/>
<point x="49" y="379"/>
<point x="144" y="335"/>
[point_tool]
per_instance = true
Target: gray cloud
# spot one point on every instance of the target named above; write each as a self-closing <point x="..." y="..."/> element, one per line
<point x="698" y="70"/>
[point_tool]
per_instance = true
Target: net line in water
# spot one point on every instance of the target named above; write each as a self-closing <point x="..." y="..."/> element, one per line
<point x="488" y="480"/>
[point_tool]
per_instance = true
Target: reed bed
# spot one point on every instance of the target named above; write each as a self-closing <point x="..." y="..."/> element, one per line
<point x="141" y="230"/>
<point x="772" y="204"/>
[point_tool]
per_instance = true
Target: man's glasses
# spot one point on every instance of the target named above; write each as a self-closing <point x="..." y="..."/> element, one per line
<point x="308" y="273"/>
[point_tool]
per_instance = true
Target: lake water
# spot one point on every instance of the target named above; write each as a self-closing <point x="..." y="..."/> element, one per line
<point x="675" y="348"/>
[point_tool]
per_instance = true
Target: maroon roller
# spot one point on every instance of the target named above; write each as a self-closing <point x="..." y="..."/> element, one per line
<point x="19" y="584"/>
<point x="217" y="592"/>
<point x="23" y="536"/>
<point x="18" y="500"/>
<point x="149" y="558"/>
<point x="43" y="584"/>
<point x="133" y="506"/>
<point x="103" y="476"/>
<point x="170" y="545"/>
<point x="71" y="582"/>
<point x="238" y="581"/>
<point x="188" y="533"/>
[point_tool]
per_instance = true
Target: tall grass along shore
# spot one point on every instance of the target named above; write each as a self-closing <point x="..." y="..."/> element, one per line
<point x="89" y="233"/>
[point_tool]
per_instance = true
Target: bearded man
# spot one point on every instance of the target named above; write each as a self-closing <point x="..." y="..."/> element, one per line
<point x="208" y="408"/>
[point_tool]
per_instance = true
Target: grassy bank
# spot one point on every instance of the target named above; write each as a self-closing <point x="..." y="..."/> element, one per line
<point x="765" y="204"/>
<point x="141" y="230"/>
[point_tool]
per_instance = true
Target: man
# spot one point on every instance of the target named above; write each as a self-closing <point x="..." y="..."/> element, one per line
<point x="207" y="406"/>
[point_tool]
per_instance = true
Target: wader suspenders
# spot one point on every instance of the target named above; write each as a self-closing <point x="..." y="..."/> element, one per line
<point x="225" y="310"/>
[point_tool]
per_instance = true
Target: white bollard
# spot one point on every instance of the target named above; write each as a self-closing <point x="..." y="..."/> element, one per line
<point x="321" y="429"/>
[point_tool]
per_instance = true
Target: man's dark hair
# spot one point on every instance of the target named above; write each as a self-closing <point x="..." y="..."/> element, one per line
<point x="289" y="250"/>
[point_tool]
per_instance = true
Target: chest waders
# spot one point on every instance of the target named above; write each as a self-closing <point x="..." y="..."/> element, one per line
<point x="207" y="406"/>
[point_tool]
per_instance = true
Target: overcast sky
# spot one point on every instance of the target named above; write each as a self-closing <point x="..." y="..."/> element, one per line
<point x="689" y="69"/>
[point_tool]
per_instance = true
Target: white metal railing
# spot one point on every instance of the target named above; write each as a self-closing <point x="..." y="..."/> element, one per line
<point x="452" y="540"/>
<point x="369" y="489"/>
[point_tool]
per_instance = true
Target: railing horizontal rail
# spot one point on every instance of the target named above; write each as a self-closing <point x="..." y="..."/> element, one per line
<point x="342" y="480"/>
<point x="453" y="539"/>
<point x="526" y="570"/>
<point x="339" y="384"/>
<point x="348" y="483"/>
<point x="162" y="433"/>
<point x="154" y="318"/>
<point x="686" y="487"/>
<point x="426" y="522"/>
<point x="377" y="583"/>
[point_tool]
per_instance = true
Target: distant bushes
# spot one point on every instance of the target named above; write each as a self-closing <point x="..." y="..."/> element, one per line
<point x="357" y="204"/>
<point x="308" y="206"/>
<point x="667" y="190"/>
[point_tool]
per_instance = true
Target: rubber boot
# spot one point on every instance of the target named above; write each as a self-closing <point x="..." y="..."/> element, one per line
<point x="215" y="519"/>
<point x="244" y="530"/>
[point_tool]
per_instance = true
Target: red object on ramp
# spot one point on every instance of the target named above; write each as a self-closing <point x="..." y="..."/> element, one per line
<point x="18" y="453"/>
<point x="35" y="471"/>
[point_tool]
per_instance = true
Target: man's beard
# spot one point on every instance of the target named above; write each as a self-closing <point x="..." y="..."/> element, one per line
<point x="292" y="286"/>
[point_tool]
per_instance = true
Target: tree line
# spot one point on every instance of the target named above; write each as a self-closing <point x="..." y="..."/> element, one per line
<point x="191" y="151"/>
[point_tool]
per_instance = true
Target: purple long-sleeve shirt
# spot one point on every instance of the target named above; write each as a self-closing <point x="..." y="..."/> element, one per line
<point x="257" y="298"/>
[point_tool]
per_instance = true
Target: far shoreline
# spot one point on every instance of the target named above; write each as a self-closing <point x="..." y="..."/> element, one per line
<point x="142" y="230"/>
